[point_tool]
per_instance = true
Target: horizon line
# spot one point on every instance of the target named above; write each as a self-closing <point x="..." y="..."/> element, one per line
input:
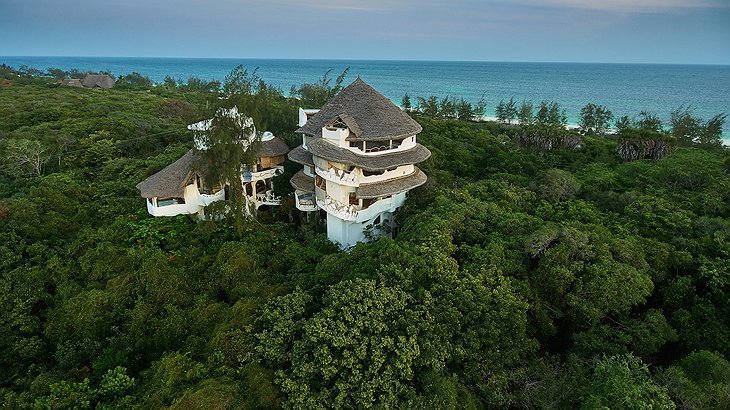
<point x="366" y="60"/>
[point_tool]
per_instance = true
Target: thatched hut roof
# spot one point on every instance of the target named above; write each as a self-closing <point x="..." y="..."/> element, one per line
<point x="302" y="182"/>
<point x="170" y="182"/>
<point x="331" y="152"/>
<point x="97" y="80"/>
<point x="72" y="82"/>
<point x="273" y="147"/>
<point x="392" y="186"/>
<point x="373" y="116"/>
<point x="301" y="156"/>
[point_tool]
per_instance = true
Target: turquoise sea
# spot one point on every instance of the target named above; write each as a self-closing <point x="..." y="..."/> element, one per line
<point x="626" y="89"/>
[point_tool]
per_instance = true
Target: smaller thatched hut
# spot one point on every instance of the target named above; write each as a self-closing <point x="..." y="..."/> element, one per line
<point x="97" y="81"/>
<point x="72" y="82"/>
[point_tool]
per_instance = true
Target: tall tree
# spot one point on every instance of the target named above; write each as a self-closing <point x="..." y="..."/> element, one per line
<point x="525" y="113"/>
<point x="405" y="103"/>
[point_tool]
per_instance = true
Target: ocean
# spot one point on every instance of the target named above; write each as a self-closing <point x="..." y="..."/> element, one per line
<point x="625" y="89"/>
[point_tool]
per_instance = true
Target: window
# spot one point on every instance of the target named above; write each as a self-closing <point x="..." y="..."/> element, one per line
<point x="338" y="123"/>
<point x="376" y="220"/>
<point x="353" y="199"/>
<point x="320" y="182"/>
<point x="371" y="173"/>
<point x="170" y="201"/>
<point x="375" y="146"/>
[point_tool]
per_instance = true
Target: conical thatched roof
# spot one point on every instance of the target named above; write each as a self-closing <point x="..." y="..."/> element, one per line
<point x="97" y="80"/>
<point x="274" y="147"/>
<point x="170" y="181"/>
<point x="374" y="117"/>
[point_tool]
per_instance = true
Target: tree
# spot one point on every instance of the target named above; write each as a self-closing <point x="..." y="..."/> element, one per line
<point x="506" y="111"/>
<point x="135" y="79"/>
<point x="648" y="122"/>
<point x="447" y="108"/>
<point x="685" y="127"/>
<point x="464" y="110"/>
<point x="699" y="381"/>
<point x="241" y="81"/>
<point x="428" y="107"/>
<point x="711" y="135"/>
<point x="556" y="185"/>
<point x="230" y="145"/>
<point x="359" y="350"/>
<point x="624" y="382"/>
<point x="623" y="123"/>
<point x="318" y="93"/>
<point x="525" y="113"/>
<point x="406" y="103"/>
<point x="549" y="113"/>
<point x="169" y="82"/>
<point x="27" y="157"/>
<point x="595" y="119"/>
<point x="690" y="130"/>
<point x="57" y="73"/>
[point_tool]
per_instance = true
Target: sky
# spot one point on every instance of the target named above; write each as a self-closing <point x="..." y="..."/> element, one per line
<point x="620" y="31"/>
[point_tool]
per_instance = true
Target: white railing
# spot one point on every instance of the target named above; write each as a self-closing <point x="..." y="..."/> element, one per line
<point x="339" y="176"/>
<point x="210" y="198"/>
<point x="306" y="202"/>
<point x="268" y="198"/>
<point x="265" y="174"/>
<point x="338" y="209"/>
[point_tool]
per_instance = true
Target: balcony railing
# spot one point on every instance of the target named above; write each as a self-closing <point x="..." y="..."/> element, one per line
<point x="268" y="198"/>
<point x="306" y="202"/>
<point x="339" y="176"/>
<point x="338" y="209"/>
<point x="248" y="176"/>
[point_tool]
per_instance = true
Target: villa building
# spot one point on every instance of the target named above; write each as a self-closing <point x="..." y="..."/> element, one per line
<point x="184" y="188"/>
<point x="359" y="153"/>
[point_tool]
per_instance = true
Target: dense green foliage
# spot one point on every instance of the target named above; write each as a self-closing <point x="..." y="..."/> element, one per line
<point x="521" y="277"/>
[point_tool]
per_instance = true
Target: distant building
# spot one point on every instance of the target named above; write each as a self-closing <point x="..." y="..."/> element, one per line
<point x="72" y="82"/>
<point x="97" y="81"/>
<point x="182" y="188"/>
<point x="359" y="153"/>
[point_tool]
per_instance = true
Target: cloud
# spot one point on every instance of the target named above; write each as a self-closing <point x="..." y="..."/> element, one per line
<point x="631" y="6"/>
<point x="339" y="5"/>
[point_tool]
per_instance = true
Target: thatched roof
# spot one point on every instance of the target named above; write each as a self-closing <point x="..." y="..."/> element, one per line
<point x="301" y="156"/>
<point x="331" y="152"/>
<point x="393" y="186"/>
<point x="302" y="182"/>
<point x="376" y="118"/>
<point x="170" y="181"/>
<point x="274" y="147"/>
<point x="72" y="82"/>
<point x="97" y="80"/>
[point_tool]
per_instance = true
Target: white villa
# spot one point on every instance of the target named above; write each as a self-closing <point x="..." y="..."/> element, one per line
<point x="359" y="153"/>
<point x="181" y="187"/>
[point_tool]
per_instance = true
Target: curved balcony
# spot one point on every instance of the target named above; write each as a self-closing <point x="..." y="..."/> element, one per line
<point x="305" y="201"/>
<point x="172" y="209"/>
<point x="338" y="176"/>
<point x="337" y="208"/>
<point x="261" y="175"/>
<point x="208" y="199"/>
<point x="267" y="198"/>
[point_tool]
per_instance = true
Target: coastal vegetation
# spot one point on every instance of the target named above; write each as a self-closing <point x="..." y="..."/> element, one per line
<point x="539" y="267"/>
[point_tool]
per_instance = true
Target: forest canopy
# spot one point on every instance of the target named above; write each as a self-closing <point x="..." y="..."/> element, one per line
<point x="537" y="268"/>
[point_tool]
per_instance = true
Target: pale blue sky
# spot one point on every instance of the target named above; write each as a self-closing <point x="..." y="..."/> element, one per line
<point x="641" y="31"/>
